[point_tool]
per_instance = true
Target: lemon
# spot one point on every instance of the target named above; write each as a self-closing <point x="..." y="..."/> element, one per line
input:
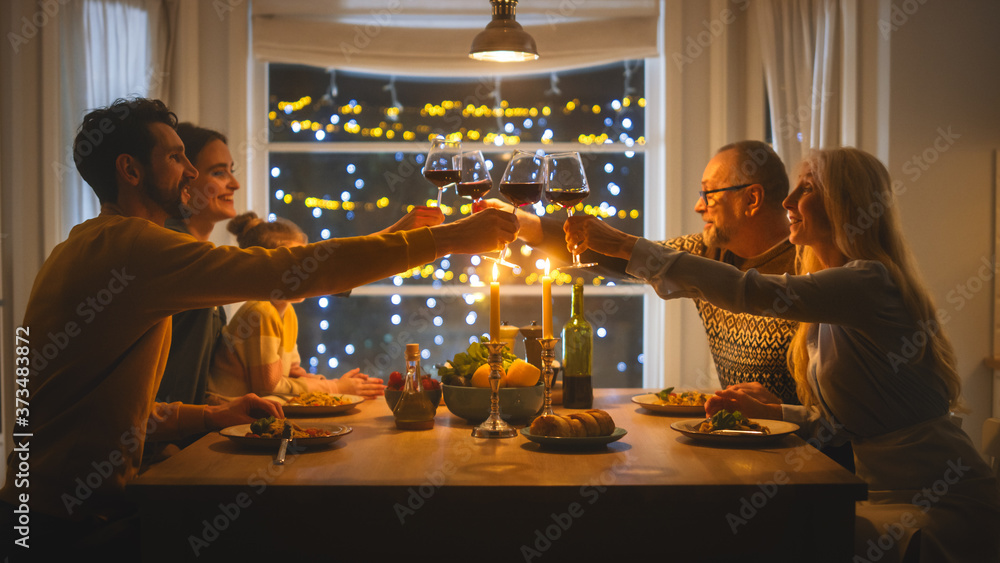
<point x="522" y="374"/>
<point x="481" y="378"/>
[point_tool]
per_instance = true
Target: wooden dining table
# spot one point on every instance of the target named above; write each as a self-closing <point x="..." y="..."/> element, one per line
<point x="379" y="492"/>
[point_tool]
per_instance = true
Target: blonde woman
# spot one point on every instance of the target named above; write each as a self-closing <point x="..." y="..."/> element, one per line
<point x="870" y="358"/>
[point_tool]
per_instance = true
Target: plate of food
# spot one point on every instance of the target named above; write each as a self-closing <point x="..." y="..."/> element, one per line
<point x="585" y="429"/>
<point x="726" y="427"/>
<point x="319" y="404"/>
<point x="681" y="403"/>
<point x="266" y="433"/>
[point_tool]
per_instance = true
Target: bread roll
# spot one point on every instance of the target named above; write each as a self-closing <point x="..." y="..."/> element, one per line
<point x="576" y="427"/>
<point x="593" y="422"/>
<point x="605" y="421"/>
<point x="550" y="426"/>
<point x="589" y="423"/>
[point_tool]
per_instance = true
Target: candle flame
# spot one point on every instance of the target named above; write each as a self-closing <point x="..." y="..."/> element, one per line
<point x="546" y="266"/>
<point x="496" y="272"/>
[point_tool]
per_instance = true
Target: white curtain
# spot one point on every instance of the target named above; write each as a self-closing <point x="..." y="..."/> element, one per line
<point x="432" y="37"/>
<point x="801" y="46"/>
<point x="109" y="49"/>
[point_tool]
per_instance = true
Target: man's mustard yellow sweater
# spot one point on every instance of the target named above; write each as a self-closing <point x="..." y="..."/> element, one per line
<point x="99" y="322"/>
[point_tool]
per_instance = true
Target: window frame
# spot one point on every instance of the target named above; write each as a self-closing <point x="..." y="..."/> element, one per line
<point x="655" y="328"/>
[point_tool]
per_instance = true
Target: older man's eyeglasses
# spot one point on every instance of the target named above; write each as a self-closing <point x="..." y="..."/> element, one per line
<point x="711" y="202"/>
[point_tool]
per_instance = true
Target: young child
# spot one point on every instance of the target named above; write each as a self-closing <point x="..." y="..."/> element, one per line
<point x="257" y="352"/>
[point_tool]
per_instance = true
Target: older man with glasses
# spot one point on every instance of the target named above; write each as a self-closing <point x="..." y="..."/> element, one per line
<point x="742" y="188"/>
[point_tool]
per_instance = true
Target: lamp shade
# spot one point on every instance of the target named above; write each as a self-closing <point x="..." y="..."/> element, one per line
<point x="503" y="40"/>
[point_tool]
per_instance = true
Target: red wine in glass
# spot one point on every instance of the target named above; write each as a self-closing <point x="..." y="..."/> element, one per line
<point x="521" y="184"/>
<point x="442" y="178"/>
<point x="566" y="199"/>
<point x="474" y="190"/>
<point x="521" y="193"/>
<point x="566" y="186"/>
<point x="444" y="163"/>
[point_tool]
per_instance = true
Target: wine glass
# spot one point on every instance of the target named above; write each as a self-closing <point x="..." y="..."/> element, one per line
<point x="521" y="183"/>
<point x="566" y="186"/>
<point x="475" y="180"/>
<point x="443" y="167"/>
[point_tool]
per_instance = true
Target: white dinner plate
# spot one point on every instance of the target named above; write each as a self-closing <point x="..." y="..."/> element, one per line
<point x="778" y="429"/>
<point x="303" y="410"/>
<point x="238" y="434"/>
<point x="651" y="402"/>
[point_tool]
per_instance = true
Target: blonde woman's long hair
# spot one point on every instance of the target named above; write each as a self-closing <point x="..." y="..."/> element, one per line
<point x="859" y="201"/>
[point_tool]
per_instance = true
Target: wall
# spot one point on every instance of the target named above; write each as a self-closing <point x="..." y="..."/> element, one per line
<point x="943" y="129"/>
<point x="25" y="215"/>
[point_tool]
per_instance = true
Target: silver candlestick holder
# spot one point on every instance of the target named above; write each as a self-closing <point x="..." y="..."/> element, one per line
<point x="494" y="426"/>
<point x="548" y="374"/>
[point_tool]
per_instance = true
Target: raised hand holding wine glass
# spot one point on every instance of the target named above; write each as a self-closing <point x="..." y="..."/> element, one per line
<point x="566" y="186"/>
<point x="443" y="167"/>
<point x="522" y="182"/>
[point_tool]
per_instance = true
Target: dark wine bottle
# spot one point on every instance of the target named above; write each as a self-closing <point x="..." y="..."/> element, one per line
<point x="577" y="344"/>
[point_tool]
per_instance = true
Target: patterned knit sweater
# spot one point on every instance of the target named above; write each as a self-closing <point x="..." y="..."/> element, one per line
<point x="747" y="347"/>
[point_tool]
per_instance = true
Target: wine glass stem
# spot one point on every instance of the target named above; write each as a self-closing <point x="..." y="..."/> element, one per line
<point x="503" y="251"/>
<point x="440" y="191"/>
<point x="576" y="256"/>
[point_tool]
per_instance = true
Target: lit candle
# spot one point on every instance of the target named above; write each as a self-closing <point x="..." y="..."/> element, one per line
<point x="495" y="305"/>
<point x="546" y="303"/>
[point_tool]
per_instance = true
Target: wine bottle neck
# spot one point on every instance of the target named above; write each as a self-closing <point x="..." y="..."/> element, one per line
<point x="576" y="301"/>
